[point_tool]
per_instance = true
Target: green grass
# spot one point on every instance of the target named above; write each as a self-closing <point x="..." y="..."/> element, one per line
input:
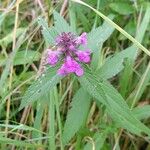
<point x="107" y="108"/>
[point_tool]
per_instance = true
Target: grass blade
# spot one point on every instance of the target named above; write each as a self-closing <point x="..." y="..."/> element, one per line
<point x="140" y="46"/>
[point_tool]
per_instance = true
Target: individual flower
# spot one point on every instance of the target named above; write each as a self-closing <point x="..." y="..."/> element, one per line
<point x="62" y="70"/>
<point x="70" y="66"/>
<point x="68" y="47"/>
<point x="82" y="39"/>
<point x="84" y="56"/>
<point x="52" y="57"/>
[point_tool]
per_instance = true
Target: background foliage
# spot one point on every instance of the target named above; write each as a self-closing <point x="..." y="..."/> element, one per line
<point x="107" y="108"/>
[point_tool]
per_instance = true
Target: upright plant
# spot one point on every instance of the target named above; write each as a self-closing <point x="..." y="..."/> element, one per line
<point x="65" y="57"/>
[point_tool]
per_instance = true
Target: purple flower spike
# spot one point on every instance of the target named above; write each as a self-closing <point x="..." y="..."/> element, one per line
<point x="84" y="56"/>
<point x="67" y="45"/>
<point x="70" y="66"/>
<point x="53" y="57"/>
<point x="82" y="39"/>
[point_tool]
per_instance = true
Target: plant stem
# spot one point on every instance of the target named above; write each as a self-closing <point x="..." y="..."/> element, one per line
<point x="58" y="117"/>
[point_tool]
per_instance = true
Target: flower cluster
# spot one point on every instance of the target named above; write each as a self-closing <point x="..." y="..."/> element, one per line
<point x="68" y="48"/>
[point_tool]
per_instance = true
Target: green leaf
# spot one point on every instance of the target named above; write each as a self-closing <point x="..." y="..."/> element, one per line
<point x="48" y="33"/>
<point x="95" y="40"/>
<point x="20" y="127"/>
<point x="125" y="77"/>
<point x="140" y="88"/>
<point x="40" y="87"/>
<point x="99" y="139"/>
<point x="114" y="65"/>
<point x="40" y="107"/>
<point x="9" y="38"/>
<point x="122" y="8"/>
<point x="130" y="28"/>
<point x="51" y="115"/>
<point x="2" y="60"/>
<point x="145" y="5"/>
<point x="136" y="43"/>
<point x="83" y="18"/>
<point x="99" y="35"/>
<point x="72" y="16"/>
<point x="10" y="59"/>
<point x="22" y="57"/>
<point x="60" y="23"/>
<point x="77" y="115"/>
<point x="116" y="107"/>
<point x="142" y="112"/>
<point x="4" y="13"/>
<point x="4" y="140"/>
<point x="143" y="26"/>
<point x="2" y="17"/>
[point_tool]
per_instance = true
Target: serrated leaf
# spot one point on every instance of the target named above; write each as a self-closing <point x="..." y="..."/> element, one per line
<point x="114" y="65"/>
<point x="95" y="40"/>
<point x="60" y="23"/>
<point x="115" y="104"/>
<point x="77" y="114"/>
<point x="99" y="35"/>
<point x="136" y="43"/>
<point x="48" y="33"/>
<point x="40" y="87"/>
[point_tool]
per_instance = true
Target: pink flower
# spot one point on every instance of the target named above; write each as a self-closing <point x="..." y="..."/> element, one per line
<point x="72" y="48"/>
<point x="70" y="66"/>
<point x="79" y="71"/>
<point x="62" y="70"/>
<point x="58" y="39"/>
<point x="67" y="45"/>
<point x="52" y="57"/>
<point x="82" y="39"/>
<point x="84" y="56"/>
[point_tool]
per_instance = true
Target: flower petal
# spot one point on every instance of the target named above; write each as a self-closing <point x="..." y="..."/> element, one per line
<point x="52" y="57"/>
<point x="62" y="70"/>
<point x="82" y="39"/>
<point x="79" y="72"/>
<point x="84" y="56"/>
